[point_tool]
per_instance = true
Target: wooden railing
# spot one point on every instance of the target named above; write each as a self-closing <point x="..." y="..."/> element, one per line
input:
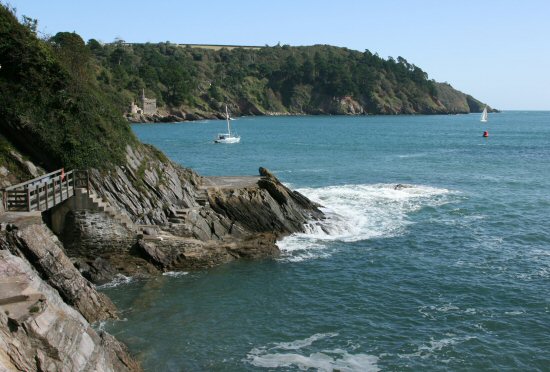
<point x="45" y="192"/>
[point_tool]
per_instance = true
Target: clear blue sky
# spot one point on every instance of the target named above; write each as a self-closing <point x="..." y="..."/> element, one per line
<point x="498" y="51"/>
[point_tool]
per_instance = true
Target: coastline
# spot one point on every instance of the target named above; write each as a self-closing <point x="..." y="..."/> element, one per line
<point x="175" y="220"/>
<point x="178" y="118"/>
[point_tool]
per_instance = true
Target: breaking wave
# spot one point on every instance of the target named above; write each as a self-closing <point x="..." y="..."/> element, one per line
<point x="359" y="212"/>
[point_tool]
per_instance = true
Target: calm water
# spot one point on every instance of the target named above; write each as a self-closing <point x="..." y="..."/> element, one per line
<point x="452" y="273"/>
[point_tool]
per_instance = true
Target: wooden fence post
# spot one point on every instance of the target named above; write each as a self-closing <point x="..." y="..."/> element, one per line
<point x="28" y="199"/>
<point x="37" y="191"/>
<point x="53" y="192"/>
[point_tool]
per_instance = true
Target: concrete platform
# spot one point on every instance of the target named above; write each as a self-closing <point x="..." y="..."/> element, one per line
<point x="21" y="219"/>
<point x="231" y="182"/>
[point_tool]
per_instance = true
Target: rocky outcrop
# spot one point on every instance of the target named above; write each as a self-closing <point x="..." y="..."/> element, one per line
<point x="41" y="248"/>
<point x="176" y="253"/>
<point x="149" y="187"/>
<point x="180" y="220"/>
<point x="39" y="330"/>
<point x="269" y="207"/>
<point x="173" y="116"/>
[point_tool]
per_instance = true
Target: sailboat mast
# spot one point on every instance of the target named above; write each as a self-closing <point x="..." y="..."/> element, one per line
<point x="227" y="119"/>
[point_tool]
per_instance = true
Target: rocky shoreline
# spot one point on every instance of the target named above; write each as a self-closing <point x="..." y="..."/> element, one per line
<point x="141" y="219"/>
<point x="346" y="107"/>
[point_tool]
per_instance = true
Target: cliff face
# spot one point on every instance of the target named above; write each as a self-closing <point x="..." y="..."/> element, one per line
<point x="178" y="219"/>
<point x="46" y="309"/>
<point x="457" y="102"/>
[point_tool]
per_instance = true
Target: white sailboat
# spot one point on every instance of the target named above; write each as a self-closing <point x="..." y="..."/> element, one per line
<point x="484" y="115"/>
<point x="227" y="137"/>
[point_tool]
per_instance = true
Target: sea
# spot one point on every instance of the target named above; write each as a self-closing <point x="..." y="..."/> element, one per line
<point x="435" y="254"/>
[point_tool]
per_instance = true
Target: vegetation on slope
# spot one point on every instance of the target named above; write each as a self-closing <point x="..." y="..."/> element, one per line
<point x="281" y="79"/>
<point x="52" y="107"/>
<point x="62" y="99"/>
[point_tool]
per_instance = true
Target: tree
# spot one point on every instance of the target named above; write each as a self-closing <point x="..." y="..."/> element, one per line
<point x="73" y="53"/>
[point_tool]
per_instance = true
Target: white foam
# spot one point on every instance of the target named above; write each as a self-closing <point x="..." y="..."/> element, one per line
<point x="515" y="312"/>
<point x="358" y="212"/>
<point x="299" y="344"/>
<point x="175" y="274"/>
<point x="324" y="360"/>
<point x="434" y="346"/>
<point x="118" y="280"/>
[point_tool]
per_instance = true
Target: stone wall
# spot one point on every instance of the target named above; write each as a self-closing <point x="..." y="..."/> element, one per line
<point x="95" y="234"/>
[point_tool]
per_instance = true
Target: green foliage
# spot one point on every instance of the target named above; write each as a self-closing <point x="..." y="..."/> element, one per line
<point x="300" y="79"/>
<point x="52" y="106"/>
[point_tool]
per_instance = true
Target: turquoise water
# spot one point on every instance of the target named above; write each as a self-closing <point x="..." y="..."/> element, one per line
<point x="451" y="272"/>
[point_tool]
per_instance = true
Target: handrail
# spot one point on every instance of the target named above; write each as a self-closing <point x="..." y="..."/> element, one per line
<point x="34" y="180"/>
<point x="45" y="192"/>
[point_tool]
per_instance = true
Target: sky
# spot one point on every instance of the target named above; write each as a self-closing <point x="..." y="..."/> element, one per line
<point x="496" y="50"/>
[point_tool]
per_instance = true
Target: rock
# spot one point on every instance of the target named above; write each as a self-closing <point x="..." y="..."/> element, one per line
<point x="348" y="106"/>
<point x="98" y="271"/>
<point x="38" y="245"/>
<point x="401" y="186"/>
<point x="170" y="119"/>
<point x="270" y="207"/>
<point x="176" y="253"/>
<point x="93" y="234"/>
<point x="40" y="332"/>
<point x="192" y="117"/>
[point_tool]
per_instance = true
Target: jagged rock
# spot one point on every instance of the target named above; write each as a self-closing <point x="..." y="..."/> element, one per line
<point x="271" y="207"/>
<point x="401" y="186"/>
<point x="40" y="332"/>
<point x="170" y="119"/>
<point x="171" y="252"/>
<point x="192" y="117"/>
<point x="98" y="270"/>
<point x="37" y="244"/>
<point x="147" y="186"/>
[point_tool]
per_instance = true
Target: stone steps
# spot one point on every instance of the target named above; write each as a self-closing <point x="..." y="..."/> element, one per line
<point x="100" y="205"/>
<point x="202" y="198"/>
<point x="180" y="215"/>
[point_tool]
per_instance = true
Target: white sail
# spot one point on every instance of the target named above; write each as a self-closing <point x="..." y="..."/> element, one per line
<point x="484" y="115"/>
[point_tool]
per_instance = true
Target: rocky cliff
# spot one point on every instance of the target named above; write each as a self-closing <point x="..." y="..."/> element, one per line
<point x="47" y="307"/>
<point x="177" y="219"/>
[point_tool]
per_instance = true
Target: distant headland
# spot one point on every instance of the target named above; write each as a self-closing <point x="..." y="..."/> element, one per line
<point x="196" y="81"/>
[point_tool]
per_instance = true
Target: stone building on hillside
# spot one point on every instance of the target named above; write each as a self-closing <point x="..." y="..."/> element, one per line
<point x="134" y="109"/>
<point x="148" y="105"/>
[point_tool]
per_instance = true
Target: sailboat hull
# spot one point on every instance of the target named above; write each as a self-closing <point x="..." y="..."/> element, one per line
<point x="228" y="140"/>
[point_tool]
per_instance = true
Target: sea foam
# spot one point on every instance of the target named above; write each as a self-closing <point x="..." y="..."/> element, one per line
<point x="119" y="279"/>
<point x="358" y="212"/>
<point x="278" y="356"/>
